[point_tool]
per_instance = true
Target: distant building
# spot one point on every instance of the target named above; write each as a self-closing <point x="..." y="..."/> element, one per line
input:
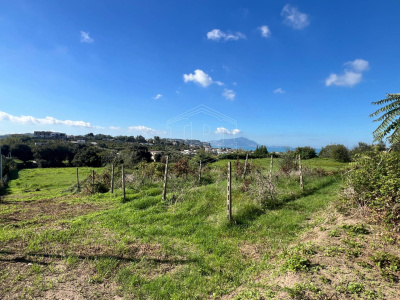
<point x="49" y="135"/>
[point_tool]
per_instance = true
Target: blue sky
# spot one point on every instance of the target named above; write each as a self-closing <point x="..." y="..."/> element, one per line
<point x="292" y="73"/>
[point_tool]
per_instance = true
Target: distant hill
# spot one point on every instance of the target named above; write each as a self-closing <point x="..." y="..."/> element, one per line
<point x="233" y="143"/>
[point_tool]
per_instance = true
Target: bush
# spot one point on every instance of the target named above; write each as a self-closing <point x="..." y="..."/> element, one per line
<point x="305" y="152"/>
<point x="375" y="183"/>
<point x="288" y="162"/>
<point x="337" y="152"/>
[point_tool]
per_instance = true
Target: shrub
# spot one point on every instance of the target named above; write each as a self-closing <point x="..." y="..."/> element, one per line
<point x="288" y="162"/>
<point x="337" y="152"/>
<point x="305" y="152"/>
<point x="375" y="183"/>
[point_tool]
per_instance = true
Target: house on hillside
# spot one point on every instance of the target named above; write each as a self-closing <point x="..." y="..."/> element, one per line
<point x="50" y="135"/>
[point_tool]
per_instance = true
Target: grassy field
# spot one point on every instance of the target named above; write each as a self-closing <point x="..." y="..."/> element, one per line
<point x="57" y="244"/>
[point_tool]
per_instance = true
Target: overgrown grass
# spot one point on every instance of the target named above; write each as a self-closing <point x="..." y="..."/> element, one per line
<point x="182" y="248"/>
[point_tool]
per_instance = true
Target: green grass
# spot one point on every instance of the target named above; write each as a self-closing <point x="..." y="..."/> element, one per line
<point x="36" y="184"/>
<point x="169" y="250"/>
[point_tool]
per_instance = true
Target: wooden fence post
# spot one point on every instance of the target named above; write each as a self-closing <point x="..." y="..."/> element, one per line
<point x="200" y="172"/>
<point x="301" y="174"/>
<point x="123" y="183"/>
<point x="229" y="194"/>
<point x="270" y="167"/>
<point x="164" y="193"/>
<point x="77" y="180"/>
<point x="112" y="179"/>
<point x="245" y="166"/>
<point x="92" y="181"/>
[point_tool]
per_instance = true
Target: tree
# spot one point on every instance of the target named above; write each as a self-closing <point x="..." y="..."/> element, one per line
<point x="260" y="152"/>
<point x="87" y="157"/>
<point x="390" y="126"/>
<point x="305" y="152"/>
<point x="22" y="152"/>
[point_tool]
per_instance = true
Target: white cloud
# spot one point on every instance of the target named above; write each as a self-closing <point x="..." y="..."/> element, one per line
<point x="351" y="76"/>
<point x="265" y="32"/>
<point x="217" y="35"/>
<point x="85" y="38"/>
<point x="146" y="130"/>
<point x="115" y="128"/>
<point x="294" y="18"/>
<point x="229" y="94"/>
<point x="199" y="77"/>
<point x="218" y="83"/>
<point x="46" y="121"/>
<point x="223" y="130"/>
<point x="279" y="91"/>
<point x="158" y="96"/>
<point x="358" y="65"/>
<point x="347" y="79"/>
<point x="236" y="131"/>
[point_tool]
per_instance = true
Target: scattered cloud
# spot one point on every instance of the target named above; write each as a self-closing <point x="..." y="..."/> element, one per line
<point x="347" y="79"/>
<point x="199" y="77"/>
<point x="294" y="18"/>
<point x="223" y="130"/>
<point x="46" y="121"/>
<point x="229" y="94"/>
<point x="217" y="35"/>
<point x="358" y="65"/>
<point x="351" y="76"/>
<point x="279" y="91"/>
<point x="236" y="131"/>
<point x="265" y="32"/>
<point x="85" y="38"/>
<point x="219" y="83"/>
<point x="158" y="96"/>
<point x="115" y="127"/>
<point x="146" y="130"/>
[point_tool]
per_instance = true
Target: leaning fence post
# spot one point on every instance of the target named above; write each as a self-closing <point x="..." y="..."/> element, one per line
<point x="123" y="183"/>
<point x="164" y="193"/>
<point x="229" y="194"/>
<point x="301" y="174"/>
<point x="112" y="179"/>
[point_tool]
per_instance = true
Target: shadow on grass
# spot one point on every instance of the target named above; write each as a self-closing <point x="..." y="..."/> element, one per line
<point x="251" y="212"/>
<point x="25" y="258"/>
<point x="308" y="191"/>
<point x="5" y="190"/>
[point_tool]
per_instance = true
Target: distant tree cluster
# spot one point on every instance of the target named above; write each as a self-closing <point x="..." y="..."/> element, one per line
<point x="305" y="152"/>
<point x="260" y="152"/>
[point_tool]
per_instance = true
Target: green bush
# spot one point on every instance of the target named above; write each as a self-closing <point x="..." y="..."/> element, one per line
<point x="305" y="152"/>
<point x="337" y="152"/>
<point x="288" y="162"/>
<point x="375" y="182"/>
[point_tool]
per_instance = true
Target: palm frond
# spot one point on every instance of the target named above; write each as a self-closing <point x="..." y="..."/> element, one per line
<point x="390" y="126"/>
